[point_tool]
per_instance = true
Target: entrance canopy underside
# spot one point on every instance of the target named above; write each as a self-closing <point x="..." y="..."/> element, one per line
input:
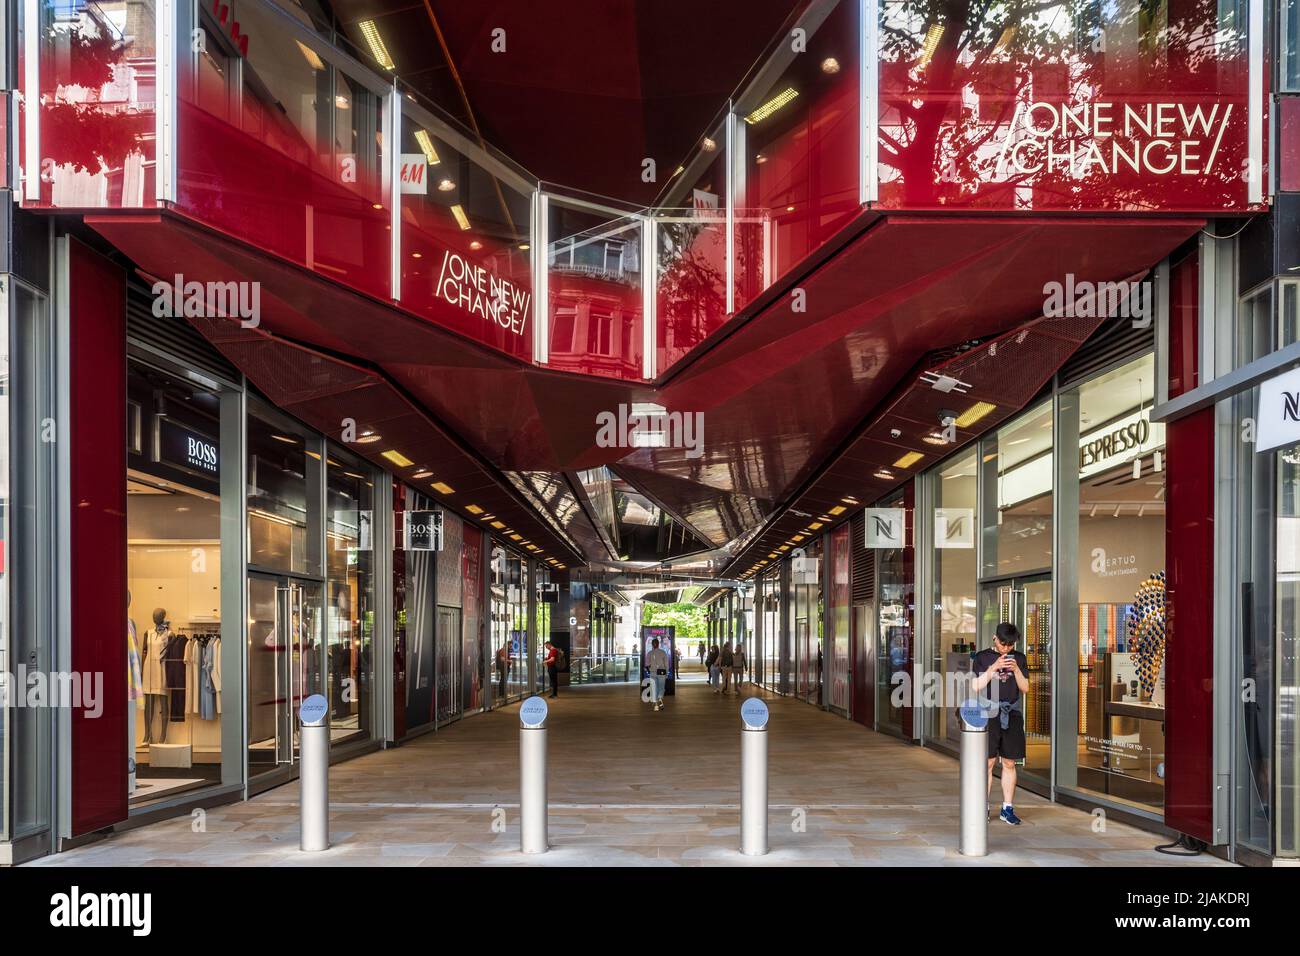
<point x="797" y="400"/>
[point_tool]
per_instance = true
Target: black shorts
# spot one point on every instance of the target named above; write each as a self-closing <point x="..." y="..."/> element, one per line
<point x="1009" y="743"/>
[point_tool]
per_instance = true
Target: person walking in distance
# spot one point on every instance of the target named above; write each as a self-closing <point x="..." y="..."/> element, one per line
<point x="552" y="662"/>
<point x="1002" y="669"/>
<point x="656" y="662"/>
<point x="712" y="664"/>
<point x="726" y="661"/>
<point x="699" y="649"/>
<point x="503" y="668"/>
<point x="738" y="663"/>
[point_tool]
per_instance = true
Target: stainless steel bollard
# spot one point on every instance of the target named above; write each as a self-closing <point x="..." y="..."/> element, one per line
<point x="753" y="777"/>
<point x="974" y="780"/>
<point x="313" y="775"/>
<point x="533" y="799"/>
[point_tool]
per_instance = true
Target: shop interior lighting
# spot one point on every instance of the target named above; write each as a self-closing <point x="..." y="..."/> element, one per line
<point x="426" y="147"/>
<point x="772" y="105"/>
<point x="370" y="33"/>
<point x="397" y="458"/>
<point x="443" y="488"/>
<point x="908" y="460"/>
<point x="973" y="414"/>
<point x="311" y="56"/>
<point x="459" y="214"/>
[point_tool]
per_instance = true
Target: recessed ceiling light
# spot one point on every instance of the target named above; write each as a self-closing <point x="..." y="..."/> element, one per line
<point x="474" y="509"/>
<point x="369" y="438"/>
<point x="908" y="460"/>
<point x="443" y="488"/>
<point x="973" y="414"/>
<point x="830" y="66"/>
<point x="772" y="105"/>
<point x="837" y="510"/>
<point x="426" y="147"/>
<point x="446" y="185"/>
<point x="422" y="473"/>
<point x="459" y="215"/>
<point x="476" y="245"/>
<point x="376" y="43"/>
<point x="397" y="458"/>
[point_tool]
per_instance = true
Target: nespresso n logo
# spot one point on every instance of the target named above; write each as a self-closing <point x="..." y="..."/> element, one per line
<point x="1291" y="406"/>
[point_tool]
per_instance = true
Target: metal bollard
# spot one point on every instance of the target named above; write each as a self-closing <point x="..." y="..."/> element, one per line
<point x="974" y="779"/>
<point x="753" y="777"/>
<point x="533" y="829"/>
<point x="313" y="775"/>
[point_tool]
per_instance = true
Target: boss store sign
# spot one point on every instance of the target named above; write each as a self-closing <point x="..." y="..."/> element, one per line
<point x="186" y="449"/>
<point x="422" y="531"/>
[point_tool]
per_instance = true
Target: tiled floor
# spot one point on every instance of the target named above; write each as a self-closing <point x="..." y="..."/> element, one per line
<point x="637" y="788"/>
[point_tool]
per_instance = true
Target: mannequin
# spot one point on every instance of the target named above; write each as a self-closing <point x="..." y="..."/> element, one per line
<point x="154" y="683"/>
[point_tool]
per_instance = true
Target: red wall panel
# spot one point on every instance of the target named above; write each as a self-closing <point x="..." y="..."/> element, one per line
<point x="1189" y="657"/>
<point x="97" y="430"/>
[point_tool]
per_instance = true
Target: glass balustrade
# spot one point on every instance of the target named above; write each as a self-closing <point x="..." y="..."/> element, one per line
<point x="255" y="125"/>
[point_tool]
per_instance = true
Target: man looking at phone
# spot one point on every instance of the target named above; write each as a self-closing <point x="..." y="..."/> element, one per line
<point x="1002" y="669"/>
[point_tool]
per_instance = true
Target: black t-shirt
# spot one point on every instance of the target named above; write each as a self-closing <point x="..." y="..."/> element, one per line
<point x="1007" y="690"/>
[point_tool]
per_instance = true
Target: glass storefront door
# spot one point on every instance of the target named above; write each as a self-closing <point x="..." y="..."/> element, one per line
<point x="284" y="665"/>
<point x="1026" y="602"/>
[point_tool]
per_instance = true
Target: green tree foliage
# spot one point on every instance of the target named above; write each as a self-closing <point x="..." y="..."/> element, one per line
<point x="688" y="619"/>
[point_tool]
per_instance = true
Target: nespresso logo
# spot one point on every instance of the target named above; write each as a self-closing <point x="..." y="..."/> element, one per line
<point x="1131" y="436"/>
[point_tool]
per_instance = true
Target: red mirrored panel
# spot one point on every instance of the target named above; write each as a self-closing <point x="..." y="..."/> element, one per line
<point x="594" y="283"/>
<point x="1077" y="105"/>
<point x="96" y="94"/>
<point x="277" y="147"/>
<point x="466" y="261"/>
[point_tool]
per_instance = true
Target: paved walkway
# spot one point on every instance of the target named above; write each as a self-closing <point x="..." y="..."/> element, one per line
<point x="632" y="787"/>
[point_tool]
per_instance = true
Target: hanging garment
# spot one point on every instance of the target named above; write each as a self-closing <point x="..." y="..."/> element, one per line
<point x="134" y="677"/>
<point x="193" y="651"/>
<point x="173" y="659"/>
<point x="214" y="671"/>
<point x="155" y="643"/>
<point x="207" y="689"/>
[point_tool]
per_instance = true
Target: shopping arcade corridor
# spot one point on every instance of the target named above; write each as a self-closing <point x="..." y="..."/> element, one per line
<point x="632" y="787"/>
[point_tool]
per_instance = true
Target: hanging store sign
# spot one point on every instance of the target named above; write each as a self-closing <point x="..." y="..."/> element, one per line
<point x="1119" y="441"/>
<point x="954" y="527"/>
<point x="422" y="531"/>
<point x="482" y="293"/>
<point x="186" y="449"/>
<point x="886" y="527"/>
<point x="415" y="174"/>
<point x="1279" y="411"/>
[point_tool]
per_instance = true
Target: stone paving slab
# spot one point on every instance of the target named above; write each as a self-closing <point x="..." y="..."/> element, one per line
<point x="630" y="787"/>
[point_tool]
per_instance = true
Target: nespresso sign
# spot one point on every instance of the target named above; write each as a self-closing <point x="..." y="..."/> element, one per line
<point x="1279" y="411"/>
<point x="187" y="449"/>
<point x="1118" y="442"/>
<point x="423" y="531"/>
